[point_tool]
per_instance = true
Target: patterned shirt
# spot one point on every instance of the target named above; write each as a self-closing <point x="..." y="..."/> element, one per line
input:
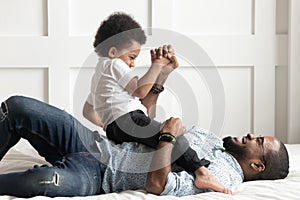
<point x="125" y="166"/>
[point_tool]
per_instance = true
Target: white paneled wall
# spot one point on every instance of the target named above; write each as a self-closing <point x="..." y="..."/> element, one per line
<point x="294" y="72"/>
<point x="85" y="16"/>
<point x="23" y="18"/>
<point x="46" y="52"/>
<point x="24" y="81"/>
<point x="214" y="17"/>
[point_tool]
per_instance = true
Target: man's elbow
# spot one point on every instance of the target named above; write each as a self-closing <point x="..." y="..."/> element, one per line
<point x="155" y="187"/>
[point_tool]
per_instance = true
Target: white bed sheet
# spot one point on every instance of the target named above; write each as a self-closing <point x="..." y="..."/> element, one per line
<point x="20" y="158"/>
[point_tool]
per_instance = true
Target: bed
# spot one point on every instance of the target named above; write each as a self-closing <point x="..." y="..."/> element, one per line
<point x="22" y="156"/>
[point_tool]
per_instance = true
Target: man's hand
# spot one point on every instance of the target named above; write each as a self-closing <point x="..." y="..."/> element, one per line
<point x="173" y="126"/>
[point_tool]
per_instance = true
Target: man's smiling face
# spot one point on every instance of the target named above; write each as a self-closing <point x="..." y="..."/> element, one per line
<point x="249" y="146"/>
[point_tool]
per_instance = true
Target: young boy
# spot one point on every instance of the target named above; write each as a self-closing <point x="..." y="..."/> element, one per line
<point x="119" y="101"/>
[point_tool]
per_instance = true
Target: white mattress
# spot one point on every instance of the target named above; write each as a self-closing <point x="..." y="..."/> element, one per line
<point x="22" y="157"/>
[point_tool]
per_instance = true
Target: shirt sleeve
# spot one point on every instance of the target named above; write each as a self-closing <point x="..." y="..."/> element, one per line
<point x="122" y="73"/>
<point x="181" y="184"/>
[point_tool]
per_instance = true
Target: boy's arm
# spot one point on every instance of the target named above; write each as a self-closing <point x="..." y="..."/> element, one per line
<point x="90" y="114"/>
<point x="141" y="87"/>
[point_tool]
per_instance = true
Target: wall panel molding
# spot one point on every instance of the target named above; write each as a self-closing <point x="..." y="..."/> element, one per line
<point x="294" y="72"/>
<point x="20" y="80"/>
<point x="20" y="18"/>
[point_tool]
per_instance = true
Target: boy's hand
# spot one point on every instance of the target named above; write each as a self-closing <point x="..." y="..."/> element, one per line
<point x="165" y="56"/>
<point x="157" y="57"/>
<point x="168" y="52"/>
<point x="173" y="64"/>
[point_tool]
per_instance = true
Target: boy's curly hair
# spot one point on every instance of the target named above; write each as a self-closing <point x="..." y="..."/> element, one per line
<point x="120" y="24"/>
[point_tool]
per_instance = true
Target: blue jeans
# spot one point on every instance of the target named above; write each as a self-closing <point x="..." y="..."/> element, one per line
<point x="70" y="147"/>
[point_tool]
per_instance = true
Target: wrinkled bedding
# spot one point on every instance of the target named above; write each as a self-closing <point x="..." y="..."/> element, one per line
<point x="22" y="157"/>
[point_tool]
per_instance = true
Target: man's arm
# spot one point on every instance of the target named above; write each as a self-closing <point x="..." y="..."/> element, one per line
<point x="141" y="87"/>
<point x="161" y="161"/>
<point x="150" y="103"/>
<point x="156" y="180"/>
<point x="151" y="99"/>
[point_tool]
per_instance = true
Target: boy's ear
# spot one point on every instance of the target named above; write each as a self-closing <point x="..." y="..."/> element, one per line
<point x="112" y="52"/>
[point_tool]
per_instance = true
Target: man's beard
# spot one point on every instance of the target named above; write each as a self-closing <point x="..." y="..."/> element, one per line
<point x="233" y="148"/>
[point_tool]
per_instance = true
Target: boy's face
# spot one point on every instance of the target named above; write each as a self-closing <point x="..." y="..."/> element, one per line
<point x="129" y="54"/>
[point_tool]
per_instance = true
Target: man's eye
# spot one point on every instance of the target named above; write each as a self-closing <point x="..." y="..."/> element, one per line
<point x="260" y="139"/>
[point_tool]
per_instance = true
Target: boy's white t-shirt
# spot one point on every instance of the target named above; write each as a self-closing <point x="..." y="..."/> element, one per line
<point x="107" y="93"/>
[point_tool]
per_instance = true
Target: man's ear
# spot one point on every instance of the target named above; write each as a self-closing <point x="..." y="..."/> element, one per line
<point x="112" y="52"/>
<point x="258" y="166"/>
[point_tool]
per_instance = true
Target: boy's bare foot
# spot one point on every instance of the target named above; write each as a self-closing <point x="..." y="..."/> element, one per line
<point x="205" y="180"/>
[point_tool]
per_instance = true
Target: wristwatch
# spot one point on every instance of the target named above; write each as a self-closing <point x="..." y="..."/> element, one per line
<point x="157" y="90"/>
<point x="167" y="137"/>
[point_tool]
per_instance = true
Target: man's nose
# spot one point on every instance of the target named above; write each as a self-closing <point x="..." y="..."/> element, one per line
<point x="250" y="136"/>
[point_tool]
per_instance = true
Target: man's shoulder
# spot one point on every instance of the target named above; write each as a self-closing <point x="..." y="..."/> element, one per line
<point x="203" y="139"/>
<point x="202" y="132"/>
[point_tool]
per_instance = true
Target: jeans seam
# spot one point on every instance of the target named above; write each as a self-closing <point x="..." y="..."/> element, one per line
<point x="5" y="113"/>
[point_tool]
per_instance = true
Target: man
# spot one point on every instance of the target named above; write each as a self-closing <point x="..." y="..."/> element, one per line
<point x="80" y="166"/>
<point x="240" y="159"/>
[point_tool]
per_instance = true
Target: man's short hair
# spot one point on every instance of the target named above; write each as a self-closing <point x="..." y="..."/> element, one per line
<point x="277" y="164"/>
<point x="123" y="27"/>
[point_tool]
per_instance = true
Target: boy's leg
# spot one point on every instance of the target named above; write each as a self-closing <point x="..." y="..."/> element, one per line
<point x="77" y="175"/>
<point x="51" y="131"/>
<point x="187" y="157"/>
<point x="134" y="127"/>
